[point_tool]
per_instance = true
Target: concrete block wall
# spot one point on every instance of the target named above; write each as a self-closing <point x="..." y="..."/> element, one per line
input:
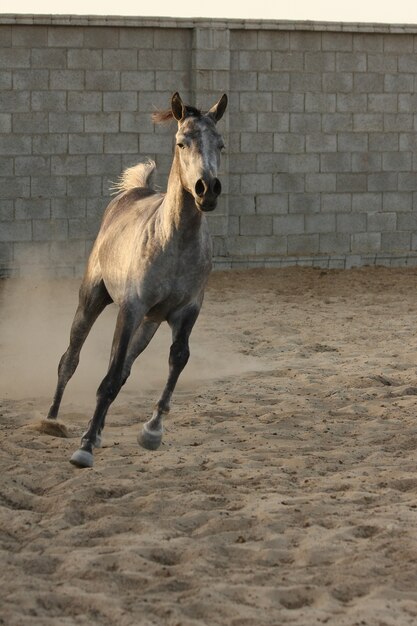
<point x="321" y="161"/>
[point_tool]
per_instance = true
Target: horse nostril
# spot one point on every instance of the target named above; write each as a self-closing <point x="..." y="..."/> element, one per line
<point x="216" y="187"/>
<point x="200" y="187"/>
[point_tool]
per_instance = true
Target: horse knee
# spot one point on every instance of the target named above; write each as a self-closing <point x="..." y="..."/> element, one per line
<point x="179" y="355"/>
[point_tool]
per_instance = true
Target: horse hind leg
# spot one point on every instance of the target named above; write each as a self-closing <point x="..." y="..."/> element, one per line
<point x="92" y="302"/>
<point x="150" y="436"/>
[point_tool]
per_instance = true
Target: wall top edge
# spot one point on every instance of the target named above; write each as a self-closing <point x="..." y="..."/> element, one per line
<point x="173" y="22"/>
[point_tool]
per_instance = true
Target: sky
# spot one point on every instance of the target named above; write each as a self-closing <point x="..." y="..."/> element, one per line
<point x="397" y="11"/>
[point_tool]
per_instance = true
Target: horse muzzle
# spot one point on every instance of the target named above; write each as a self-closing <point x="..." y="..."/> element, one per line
<point x="207" y="193"/>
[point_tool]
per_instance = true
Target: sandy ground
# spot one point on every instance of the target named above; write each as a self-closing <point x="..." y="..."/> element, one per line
<point x="285" y="491"/>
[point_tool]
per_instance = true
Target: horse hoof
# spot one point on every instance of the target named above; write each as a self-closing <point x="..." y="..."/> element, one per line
<point x="149" y="439"/>
<point x="98" y="441"/>
<point x="82" y="458"/>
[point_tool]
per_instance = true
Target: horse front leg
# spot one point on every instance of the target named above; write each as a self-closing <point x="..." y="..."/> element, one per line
<point x="182" y="324"/>
<point x="128" y="320"/>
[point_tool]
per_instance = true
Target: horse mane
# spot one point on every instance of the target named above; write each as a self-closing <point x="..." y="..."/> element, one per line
<point x="163" y="117"/>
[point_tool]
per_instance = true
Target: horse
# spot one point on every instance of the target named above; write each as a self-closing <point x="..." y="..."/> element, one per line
<point x="152" y="257"/>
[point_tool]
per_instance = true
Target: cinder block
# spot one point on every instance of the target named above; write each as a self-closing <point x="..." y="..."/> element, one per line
<point x="48" y="186"/>
<point x="273" y="122"/>
<point x="271" y="162"/>
<point x="320" y="103"/>
<point x="303" y="244"/>
<point x="337" y="122"/>
<point x="16" y="101"/>
<point x="30" y="79"/>
<point x="6" y="164"/>
<point x="407" y="102"/>
<point x="304" y="41"/>
<point x="368" y="122"/>
<point x="30" y="165"/>
<point x="351" y="222"/>
<point x="285" y="102"/>
<point x="273" y="81"/>
<point x="85" y="143"/>
<point x="255" y="225"/>
<point x="18" y="230"/>
<point x="136" y="38"/>
<point x="397" y="161"/>
<point x="368" y="82"/>
<point x="14" y="144"/>
<point x="288" y="224"/>
<point x="272" y="204"/>
<point x="337" y="41"/>
<point x="305" y="122"/>
<point x="338" y="82"/>
<point x="101" y="122"/>
<point x="66" y="79"/>
<point x="289" y="143"/>
<point x="44" y="101"/>
<point x="215" y="60"/>
<point x="49" y="144"/>
<point x="241" y="205"/>
<point x="403" y="221"/>
<point x="256" y="183"/>
<point x="399" y="122"/>
<point x="14" y="58"/>
<point x="242" y="163"/>
<point x="386" y="141"/>
<point x="366" y="243"/>
<point x="351" y="62"/>
<point x="240" y="246"/>
<point x="304" y="203"/>
<point x="85" y="101"/>
<point x="386" y="222"/>
<point x="340" y="162"/>
<point x="399" y="83"/>
<point x="321" y="142"/>
<point x="48" y="58"/>
<point x="248" y="79"/>
<point x="171" y="38"/>
<point x="351" y="102"/>
<point x="68" y="37"/>
<point x="320" y="61"/>
<point x="155" y="59"/>
<point x="351" y="182"/>
<point x="303" y="163"/>
<point x="387" y="181"/>
<point x="120" y="60"/>
<point x="320" y="223"/>
<point x="271" y="246"/>
<point x="50" y="230"/>
<point x="68" y="165"/>
<point x="32" y="208"/>
<point x="305" y="83"/>
<point x="288" y="183"/>
<point x="334" y="243"/>
<point x="366" y="162"/>
<point x="336" y="202"/>
<point x="288" y="61"/>
<point x="352" y="142"/>
<point x="62" y="208"/>
<point x="273" y="40"/>
<point x="396" y="242"/>
<point x="102" y="80"/>
<point x="85" y="59"/>
<point x="123" y="101"/>
<point x="366" y="202"/>
<point x="14" y="186"/>
<point x="258" y="60"/>
<point x="121" y="143"/>
<point x="256" y="142"/>
<point x="368" y="42"/>
<point x="320" y="182"/>
<point x="66" y="123"/>
<point x="259" y="102"/>
<point x="399" y="201"/>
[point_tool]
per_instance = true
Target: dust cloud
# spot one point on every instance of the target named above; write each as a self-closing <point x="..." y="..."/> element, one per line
<point x="35" y="320"/>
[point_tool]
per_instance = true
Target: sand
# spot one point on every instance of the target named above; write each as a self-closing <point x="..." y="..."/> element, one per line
<point x="285" y="491"/>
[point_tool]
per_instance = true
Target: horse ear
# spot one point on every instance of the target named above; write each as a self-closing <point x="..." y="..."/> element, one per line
<point x="178" y="109"/>
<point x="216" y="112"/>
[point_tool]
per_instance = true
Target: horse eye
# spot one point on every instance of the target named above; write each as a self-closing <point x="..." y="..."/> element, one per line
<point x="222" y="147"/>
<point x="181" y="145"/>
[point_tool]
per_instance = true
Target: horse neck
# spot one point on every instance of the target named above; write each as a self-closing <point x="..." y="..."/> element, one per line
<point x="180" y="213"/>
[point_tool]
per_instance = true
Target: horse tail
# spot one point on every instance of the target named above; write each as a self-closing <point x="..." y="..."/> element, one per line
<point x="133" y="177"/>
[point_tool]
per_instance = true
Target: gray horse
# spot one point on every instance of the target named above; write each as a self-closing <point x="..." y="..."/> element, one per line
<point x="152" y="257"/>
